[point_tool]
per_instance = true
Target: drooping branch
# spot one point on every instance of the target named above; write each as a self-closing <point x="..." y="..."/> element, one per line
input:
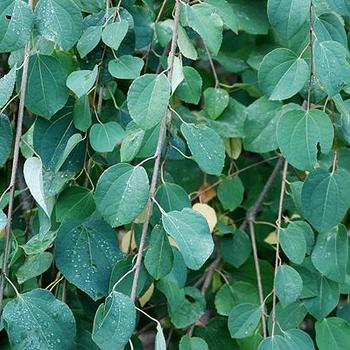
<point x="12" y="185"/>
<point x="157" y="156"/>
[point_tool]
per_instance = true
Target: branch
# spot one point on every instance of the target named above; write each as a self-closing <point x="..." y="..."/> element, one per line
<point x="14" y="168"/>
<point x="158" y="153"/>
<point x="311" y="57"/>
<point x="277" y="258"/>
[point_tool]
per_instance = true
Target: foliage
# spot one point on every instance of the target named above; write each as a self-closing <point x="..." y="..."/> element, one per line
<point x="174" y="173"/>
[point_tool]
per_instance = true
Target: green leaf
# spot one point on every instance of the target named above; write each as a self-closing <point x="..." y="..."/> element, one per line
<point x="148" y="99"/>
<point x="7" y="83"/>
<point x="89" y="40"/>
<point x="86" y="251"/>
<point x="81" y="81"/>
<point x="82" y="113"/>
<point x="59" y="21"/>
<point x="204" y="20"/>
<point x="260" y="125"/>
<point x="39" y="243"/>
<point x="231" y="295"/>
<point x="3" y="220"/>
<point x="330" y="254"/>
<point x="331" y="66"/>
<point x="34" y="266"/>
<point x="275" y="342"/>
<point x="122" y="193"/>
<point x="332" y="333"/>
<point x="185" y="45"/>
<point x="326" y="300"/>
<point x="46" y="90"/>
<point x="230" y="193"/>
<point x="16" y="22"/>
<point x="114" y="33"/>
<point x="33" y="175"/>
<point x="36" y="320"/>
<point x="299" y="133"/>
<point x="160" y="343"/>
<point x="132" y="142"/>
<point x="126" y="67"/>
<point x="325" y="198"/>
<point x="216" y="101"/>
<point x="159" y="256"/>
<point x="206" y="146"/>
<point x="114" y="322"/>
<point x="287" y="16"/>
<point x="282" y="74"/>
<point x="104" y="137"/>
<point x="288" y="285"/>
<point x="243" y="320"/>
<point x="191" y="233"/>
<point x="6" y="138"/>
<point x="192" y="343"/>
<point x="75" y="203"/>
<point x="293" y="241"/>
<point x="297" y="339"/>
<point x="190" y="88"/>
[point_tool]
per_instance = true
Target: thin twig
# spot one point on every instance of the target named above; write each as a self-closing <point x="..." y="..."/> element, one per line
<point x="311" y="57"/>
<point x="14" y="168"/>
<point x="158" y="154"/>
<point x="212" y="66"/>
<point x="277" y="258"/>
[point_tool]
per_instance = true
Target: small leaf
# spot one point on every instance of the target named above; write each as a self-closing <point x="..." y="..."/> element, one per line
<point x="126" y="67"/>
<point x="216" y="101"/>
<point x="243" y="320"/>
<point x="192" y="343"/>
<point x="159" y="256"/>
<point x="148" y="99"/>
<point x="114" y="33"/>
<point x="299" y="133"/>
<point x="7" y="83"/>
<point x="132" y="142"/>
<point x="160" y="343"/>
<point x="330" y="254"/>
<point x="114" y="322"/>
<point x="122" y="193"/>
<point x="82" y="113"/>
<point x="190" y="88"/>
<point x="3" y="220"/>
<point x="288" y="285"/>
<point x="276" y="342"/>
<point x="230" y="193"/>
<point x="104" y="137"/>
<point x="191" y="233"/>
<point x="81" y="81"/>
<point x="325" y="198"/>
<point x="89" y="40"/>
<point x="29" y="316"/>
<point x="206" y="146"/>
<point x="6" y="137"/>
<point x="332" y="333"/>
<point x="282" y="74"/>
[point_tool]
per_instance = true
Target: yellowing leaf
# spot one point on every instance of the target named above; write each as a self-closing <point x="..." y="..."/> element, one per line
<point x="144" y="299"/>
<point x="208" y="212"/>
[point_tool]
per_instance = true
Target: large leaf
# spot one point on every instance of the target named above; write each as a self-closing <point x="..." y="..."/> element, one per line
<point x="59" y="21"/>
<point x="330" y="254"/>
<point x="332" y="68"/>
<point x="16" y="21"/>
<point x="191" y="233"/>
<point x="325" y="198"/>
<point x="148" y="99"/>
<point x="36" y="320"/>
<point x="282" y="74"/>
<point x="243" y="320"/>
<point x="203" y="19"/>
<point x="299" y="133"/>
<point x="5" y="139"/>
<point x="114" y="322"/>
<point x="46" y="90"/>
<point x="332" y="333"/>
<point x="276" y="342"/>
<point x="86" y="252"/>
<point x="122" y="193"/>
<point x="206" y="146"/>
<point x="287" y="16"/>
<point x="288" y="285"/>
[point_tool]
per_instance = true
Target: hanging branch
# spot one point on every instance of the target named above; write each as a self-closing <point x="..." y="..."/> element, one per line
<point x="278" y="259"/>
<point x="14" y="168"/>
<point x="157" y="157"/>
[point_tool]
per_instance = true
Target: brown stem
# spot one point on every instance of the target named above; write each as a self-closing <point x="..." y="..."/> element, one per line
<point x="158" y="153"/>
<point x="212" y="66"/>
<point x="278" y="259"/>
<point x="14" y="168"/>
<point x="311" y="57"/>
